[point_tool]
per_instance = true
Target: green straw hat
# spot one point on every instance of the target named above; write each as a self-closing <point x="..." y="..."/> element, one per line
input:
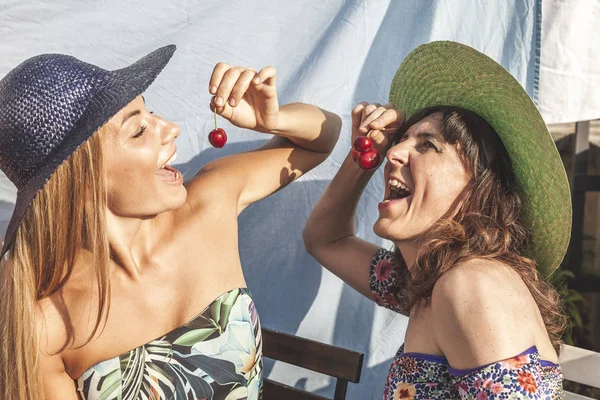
<point x="452" y="74"/>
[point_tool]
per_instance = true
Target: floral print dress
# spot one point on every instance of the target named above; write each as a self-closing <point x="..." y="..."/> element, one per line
<point x="424" y="376"/>
<point x="216" y="356"/>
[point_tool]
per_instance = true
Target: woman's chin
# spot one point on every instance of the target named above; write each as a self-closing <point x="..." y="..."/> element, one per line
<point x="381" y="229"/>
<point x="170" y="200"/>
<point x="179" y="198"/>
<point x="389" y="230"/>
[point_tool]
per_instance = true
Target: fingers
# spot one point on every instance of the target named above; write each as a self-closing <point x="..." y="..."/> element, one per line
<point x="267" y="76"/>
<point x="357" y="113"/>
<point x="390" y="118"/>
<point x="370" y="112"/>
<point x="377" y="136"/>
<point x="234" y="79"/>
<point x="217" y="76"/>
<point x="367" y="117"/>
<point x="229" y="84"/>
<point x="241" y="86"/>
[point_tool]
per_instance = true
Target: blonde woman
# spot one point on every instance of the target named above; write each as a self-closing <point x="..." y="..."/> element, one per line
<point x="120" y="281"/>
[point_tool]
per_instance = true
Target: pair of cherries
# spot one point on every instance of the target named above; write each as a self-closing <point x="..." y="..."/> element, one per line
<point x="364" y="154"/>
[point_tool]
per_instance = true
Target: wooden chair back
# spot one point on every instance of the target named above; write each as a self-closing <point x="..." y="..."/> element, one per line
<point x="340" y="363"/>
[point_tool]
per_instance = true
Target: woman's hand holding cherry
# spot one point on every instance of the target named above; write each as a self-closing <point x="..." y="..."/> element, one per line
<point x="380" y="124"/>
<point x="248" y="99"/>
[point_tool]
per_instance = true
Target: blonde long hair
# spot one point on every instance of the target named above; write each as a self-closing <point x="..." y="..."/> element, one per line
<point x="67" y="215"/>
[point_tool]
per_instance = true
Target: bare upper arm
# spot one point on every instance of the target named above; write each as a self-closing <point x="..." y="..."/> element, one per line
<point x="57" y="383"/>
<point x="250" y="176"/>
<point x="480" y="314"/>
<point x="350" y="259"/>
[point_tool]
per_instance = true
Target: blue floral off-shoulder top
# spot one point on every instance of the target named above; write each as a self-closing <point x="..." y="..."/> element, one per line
<point x="423" y="376"/>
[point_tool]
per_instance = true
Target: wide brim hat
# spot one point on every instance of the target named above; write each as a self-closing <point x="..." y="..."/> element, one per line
<point x="50" y="105"/>
<point x="447" y="73"/>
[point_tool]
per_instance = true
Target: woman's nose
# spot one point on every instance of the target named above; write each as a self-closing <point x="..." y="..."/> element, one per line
<point x="399" y="154"/>
<point x="170" y="132"/>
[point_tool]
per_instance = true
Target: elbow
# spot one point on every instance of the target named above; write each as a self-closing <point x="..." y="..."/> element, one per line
<point x="308" y="236"/>
<point x="337" y="128"/>
<point x="332" y="127"/>
<point x="315" y="238"/>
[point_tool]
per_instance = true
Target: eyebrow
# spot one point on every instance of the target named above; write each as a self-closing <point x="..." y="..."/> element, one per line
<point x="131" y="114"/>
<point x="430" y="135"/>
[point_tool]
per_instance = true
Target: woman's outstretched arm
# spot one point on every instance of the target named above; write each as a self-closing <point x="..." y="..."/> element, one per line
<point x="303" y="137"/>
<point x="329" y="234"/>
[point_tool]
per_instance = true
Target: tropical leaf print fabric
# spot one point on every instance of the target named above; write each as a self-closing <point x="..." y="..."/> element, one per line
<point x="417" y="376"/>
<point x="216" y="356"/>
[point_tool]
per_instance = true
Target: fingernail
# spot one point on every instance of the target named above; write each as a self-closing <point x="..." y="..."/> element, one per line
<point x="256" y="80"/>
<point x="213" y="89"/>
<point x="232" y="102"/>
<point x="219" y="101"/>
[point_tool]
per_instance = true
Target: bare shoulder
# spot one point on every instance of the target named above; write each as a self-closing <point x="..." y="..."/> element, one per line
<point x="475" y="281"/>
<point x="481" y="310"/>
<point x="213" y="185"/>
<point x="471" y="297"/>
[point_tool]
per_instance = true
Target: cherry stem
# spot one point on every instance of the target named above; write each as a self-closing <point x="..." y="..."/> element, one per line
<point x="215" y="115"/>
<point x="369" y="133"/>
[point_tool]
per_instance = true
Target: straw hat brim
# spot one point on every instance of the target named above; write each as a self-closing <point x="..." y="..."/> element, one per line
<point x="450" y="73"/>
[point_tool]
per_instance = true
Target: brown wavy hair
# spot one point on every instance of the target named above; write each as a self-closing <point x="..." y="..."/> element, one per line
<point x="488" y="224"/>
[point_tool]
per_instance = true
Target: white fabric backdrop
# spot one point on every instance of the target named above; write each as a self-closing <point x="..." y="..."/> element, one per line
<point x="570" y="71"/>
<point x="331" y="53"/>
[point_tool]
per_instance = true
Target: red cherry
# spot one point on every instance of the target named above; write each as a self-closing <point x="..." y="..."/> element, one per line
<point x="362" y="143"/>
<point x="217" y="137"/>
<point x="369" y="159"/>
<point x="355" y="154"/>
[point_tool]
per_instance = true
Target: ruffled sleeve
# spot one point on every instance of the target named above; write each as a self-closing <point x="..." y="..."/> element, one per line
<point x="520" y="377"/>
<point x="384" y="280"/>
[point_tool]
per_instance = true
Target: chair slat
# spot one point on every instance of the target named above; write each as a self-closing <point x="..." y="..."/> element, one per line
<point x="575" y="396"/>
<point x="341" y="387"/>
<point x="319" y="357"/>
<point x="580" y="365"/>
<point x="277" y="391"/>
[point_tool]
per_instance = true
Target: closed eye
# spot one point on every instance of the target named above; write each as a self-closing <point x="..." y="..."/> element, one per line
<point x="141" y="132"/>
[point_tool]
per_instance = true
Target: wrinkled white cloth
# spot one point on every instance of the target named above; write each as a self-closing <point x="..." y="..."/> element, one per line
<point x="331" y="53"/>
<point x="570" y="71"/>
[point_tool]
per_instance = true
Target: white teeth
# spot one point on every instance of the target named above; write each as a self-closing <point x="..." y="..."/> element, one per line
<point x="397" y="185"/>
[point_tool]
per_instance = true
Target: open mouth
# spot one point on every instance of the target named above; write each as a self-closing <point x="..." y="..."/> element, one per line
<point x="167" y="173"/>
<point x="397" y="190"/>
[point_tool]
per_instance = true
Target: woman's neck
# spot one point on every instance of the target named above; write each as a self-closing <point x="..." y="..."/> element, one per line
<point x="409" y="250"/>
<point x="131" y="241"/>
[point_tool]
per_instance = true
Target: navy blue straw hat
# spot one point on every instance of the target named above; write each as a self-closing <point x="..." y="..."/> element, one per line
<point x="50" y="105"/>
